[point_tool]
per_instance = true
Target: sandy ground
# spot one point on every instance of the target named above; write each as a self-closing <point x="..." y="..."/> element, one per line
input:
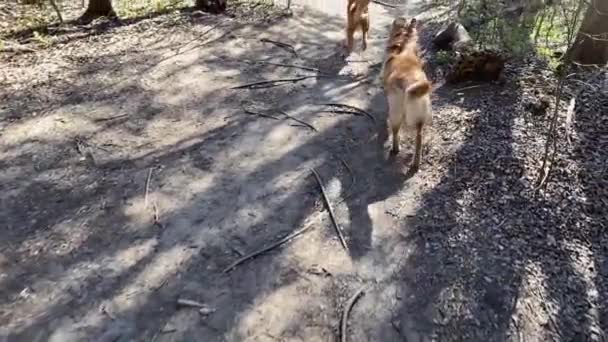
<point x="132" y="175"/>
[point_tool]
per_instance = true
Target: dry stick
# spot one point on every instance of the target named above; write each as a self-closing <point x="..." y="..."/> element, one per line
<point x="267" y="248"/>
<point x="300" y="121"/>
<point x="353" y="108"/>
<point x="273" y="83"/>
<point x="341" y="111"/>
<point x="384" y="4"/>
<point x="250" y="112"/>
<point x="111" y="118"/>
<point x="330" y="210"/>
<point x="56" y="8"/>
<point x="467" y="88"/>
<point x="346" y="312"/>
<point x="285" y="46"/>
<point x="147" y="188"/>
<point x="290" y="66"/>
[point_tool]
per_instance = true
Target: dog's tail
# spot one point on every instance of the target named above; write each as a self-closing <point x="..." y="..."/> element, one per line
<point x="419" y="88"/>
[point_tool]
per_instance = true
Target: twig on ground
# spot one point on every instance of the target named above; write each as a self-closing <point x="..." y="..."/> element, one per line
<point x="299" y="121"/>
<point x="111" y="118"/>
<point x="250" y="112"/>
<point x="285" y="46"/>
<point x="467" y="88"/>
<point x="273" y="83"/>
<point x="359" y="110"/>
<point x="267" y="248"/>
<point x="56" y="8"/>
<point x="303" y="67"/>
<point x="190" y="303"/>
<point x="346" y="312"/>
<point x="147" y="188"/>
<point x="330" y="210"/>
<point x="384" y="4"/>
<point x="341" y="111"/>
<point x="16" y="48"/>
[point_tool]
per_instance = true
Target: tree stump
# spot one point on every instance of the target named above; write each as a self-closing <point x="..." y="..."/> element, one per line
<point x="211" y="6"/>
<point x="98" y="8"/>
<point x="485" y="65"/>
<point x="454" y="37"/>
<point x="471" y="64"/>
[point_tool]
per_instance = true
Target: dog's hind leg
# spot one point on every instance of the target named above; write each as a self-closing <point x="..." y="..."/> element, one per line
<point x="418" y="153"/>
<point x="364" y="29"/>
<point x="395" y="118"/>
<point x="350" y="32"/>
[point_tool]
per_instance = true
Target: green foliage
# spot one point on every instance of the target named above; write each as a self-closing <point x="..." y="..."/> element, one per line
<point x="42" y="39"/>
<point x="444" y="57"/>
<point x="543" y="31"/>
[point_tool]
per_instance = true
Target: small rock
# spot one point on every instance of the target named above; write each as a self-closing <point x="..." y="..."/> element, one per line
<point x="206" y="311"/>
<point x="26" y="293"/>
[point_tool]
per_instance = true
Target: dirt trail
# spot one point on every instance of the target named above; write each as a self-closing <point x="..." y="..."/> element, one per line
<point x="132" y="176"/>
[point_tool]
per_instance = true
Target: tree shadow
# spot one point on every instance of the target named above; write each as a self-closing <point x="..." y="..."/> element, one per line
<point x="493" y="259"/>
<point x="108" y="261"/>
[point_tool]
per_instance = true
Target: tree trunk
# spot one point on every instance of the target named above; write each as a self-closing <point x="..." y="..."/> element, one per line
<point x="99" y="8"/>
<point x="212" y="6"/>
<point x="591" y="43"/>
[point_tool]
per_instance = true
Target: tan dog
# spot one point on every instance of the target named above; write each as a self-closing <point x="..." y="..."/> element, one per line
<point x="406" y="86"/>
<point x="357" y="16"/>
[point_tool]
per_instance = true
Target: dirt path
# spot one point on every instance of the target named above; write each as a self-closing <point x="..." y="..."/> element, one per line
<point x="132" y="176"/>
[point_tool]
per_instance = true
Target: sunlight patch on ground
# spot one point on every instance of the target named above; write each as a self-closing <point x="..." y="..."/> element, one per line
<point x="586" y="271"/>
<point x="50" y="127"/>
<point x="281" y="312"/>
<point x="58" y="288"/>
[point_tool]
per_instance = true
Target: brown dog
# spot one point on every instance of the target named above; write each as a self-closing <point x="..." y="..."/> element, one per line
<point x="407" y="88"/>
<point x="357" y="16"/>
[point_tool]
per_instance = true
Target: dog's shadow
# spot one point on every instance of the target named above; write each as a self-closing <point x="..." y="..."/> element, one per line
<point x="388" y="175"/>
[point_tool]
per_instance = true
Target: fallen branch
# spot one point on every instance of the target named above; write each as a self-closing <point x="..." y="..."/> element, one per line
<point x="346" y="312"/>
<point x="16" y="48"/>
<point x="111" y="118"/>
<point x="299" y="121"/>
<point x="359" y="110"/>
<point x="270" y="247"/>
<point x="250" y="112"/>
<point x="307" y="68"/>
<point x="330" y="210"/>
<point x="285" y="46"/>
<point x="191" y="303"/>
<point x="468" y="88"/>
<point x="56" y="8"/>
<point x="147" y="188"/>
<point x="384" y="4"/>
<point x="273" y="83"/>
<point x="341" y="111"/>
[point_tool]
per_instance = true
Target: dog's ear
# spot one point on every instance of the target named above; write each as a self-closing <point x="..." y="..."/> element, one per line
<point x="413" y="26"/>
<point x="399" y="22"/>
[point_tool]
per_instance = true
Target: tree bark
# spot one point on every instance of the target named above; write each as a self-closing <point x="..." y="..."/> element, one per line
<point x="212" y="6"/>
<point x="591" y="43"/>
<point x="99" y="8"/>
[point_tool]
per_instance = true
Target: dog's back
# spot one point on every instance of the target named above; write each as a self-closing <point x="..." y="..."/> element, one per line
<point x="405" y="83"/>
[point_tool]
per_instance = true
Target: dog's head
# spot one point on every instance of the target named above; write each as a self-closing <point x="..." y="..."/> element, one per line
<point x="402" y="33"/>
